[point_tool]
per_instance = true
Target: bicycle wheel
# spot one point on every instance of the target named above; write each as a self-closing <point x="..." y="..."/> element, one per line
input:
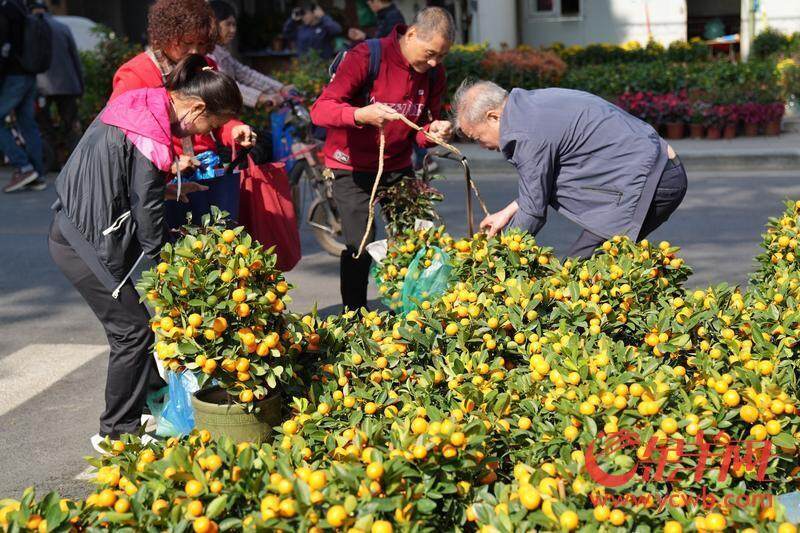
<point x="327" y="228"/>
<point x="297" y="174"/>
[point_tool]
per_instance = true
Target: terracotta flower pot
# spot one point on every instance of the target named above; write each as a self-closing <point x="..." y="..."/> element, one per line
<point x="675" y="130"/>
<point x="696" y="131"/>
<point x="772" y="128"/>
<point x="713" y="132"/>
<point x="729" y="132"/>
<point x="750" y="130"/>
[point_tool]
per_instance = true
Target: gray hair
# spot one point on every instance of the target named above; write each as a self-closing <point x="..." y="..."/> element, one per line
<point x="435" y="21"/>
<point x="473" y="99"/>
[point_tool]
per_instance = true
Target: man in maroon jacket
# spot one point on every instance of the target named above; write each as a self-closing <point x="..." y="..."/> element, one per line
<point x="410" y="81"/>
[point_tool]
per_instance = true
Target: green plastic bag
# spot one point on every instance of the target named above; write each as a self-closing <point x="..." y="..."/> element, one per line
<point x="426" y="283"/>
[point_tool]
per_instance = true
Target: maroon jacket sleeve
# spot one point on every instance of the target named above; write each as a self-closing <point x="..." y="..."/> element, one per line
<point x="435" y="105"/>
<point x="334" y="108"/>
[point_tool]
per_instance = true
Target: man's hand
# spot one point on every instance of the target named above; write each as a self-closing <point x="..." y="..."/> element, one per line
<point x="243" y="135"/>
<point x="318" y="13"/>
<point x="355" y="34"/>
<point x="495" y="222"/>
<point x="187" y="187"/>
<point x="185" y="164"/>
<point x="442" y="129"/>
<point x="375" y="115"/>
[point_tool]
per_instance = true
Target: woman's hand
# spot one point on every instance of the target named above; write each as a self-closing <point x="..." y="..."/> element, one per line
<point x="495" y="222"/>
<point x="243" y="135"/>
<point x="185" y="164"/>
<point x="287" y="90"/>
<point x="187" y="187"/>
<point x="268" y="100"/>
<point x="442" y="129"/>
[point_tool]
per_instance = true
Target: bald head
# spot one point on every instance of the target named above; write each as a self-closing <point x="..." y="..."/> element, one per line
<point x="478" y="106"/>
<point x="435" y="21"/>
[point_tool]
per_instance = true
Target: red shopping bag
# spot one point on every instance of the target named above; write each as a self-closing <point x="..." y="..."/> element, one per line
<point x="266" y="210"/>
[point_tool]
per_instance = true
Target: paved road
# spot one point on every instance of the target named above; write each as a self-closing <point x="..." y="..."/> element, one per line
<point x="52" y="350"/>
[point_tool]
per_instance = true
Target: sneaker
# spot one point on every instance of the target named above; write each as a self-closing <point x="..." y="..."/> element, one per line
<point x="147" y="439"/>
<point x="37" y="185"/>
<point x="97" y="440"/>
<point x="149" y="423"/>
<point x="20" y="179"/>
<point x="102" y="444"/>
<point x="433" y="166"/>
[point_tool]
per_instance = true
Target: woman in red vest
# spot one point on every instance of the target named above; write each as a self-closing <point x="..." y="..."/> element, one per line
<point x="176" y="29"/>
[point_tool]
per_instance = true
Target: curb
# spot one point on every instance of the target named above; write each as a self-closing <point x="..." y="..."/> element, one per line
<point x="706" y="161"/>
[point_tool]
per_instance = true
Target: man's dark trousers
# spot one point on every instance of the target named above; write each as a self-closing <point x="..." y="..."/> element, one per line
<point x="668" y="196"/>
<point x="351" y="191"/>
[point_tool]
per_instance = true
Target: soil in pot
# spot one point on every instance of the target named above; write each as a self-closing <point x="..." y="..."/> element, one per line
<point x="751" y="130"/>
<point x="675" y="130"/>
<point x="729" y="132"/>
<point x="772" y="128"/>
<point x="713" y="132"/>
<point x="215" y="412"/>
<point x="696" y="131"/>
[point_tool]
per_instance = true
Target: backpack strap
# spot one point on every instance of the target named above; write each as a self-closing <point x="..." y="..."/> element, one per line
<point x="374" y="66"/>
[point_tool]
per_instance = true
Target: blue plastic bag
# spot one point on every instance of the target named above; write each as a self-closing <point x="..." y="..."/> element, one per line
<point x="209" y="169"/>
<point x="426" y="281"/>
<point x="283" y="137"/>
<point x="172" y="405"/>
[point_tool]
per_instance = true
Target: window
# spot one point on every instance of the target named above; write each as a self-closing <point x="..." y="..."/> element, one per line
<point x="570" y="8"/>
<point x="544" y="6"/>
<point x="555" y="9"/>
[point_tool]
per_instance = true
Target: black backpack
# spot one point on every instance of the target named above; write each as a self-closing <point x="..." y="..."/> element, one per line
<point x="373" y="69"/>
<point x="37" y="45"/>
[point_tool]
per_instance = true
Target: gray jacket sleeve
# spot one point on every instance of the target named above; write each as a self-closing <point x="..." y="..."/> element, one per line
<point x="147" y="204"/>
<point x="535" y="163"/>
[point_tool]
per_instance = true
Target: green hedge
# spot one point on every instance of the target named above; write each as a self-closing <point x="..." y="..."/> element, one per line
<point x="99" y="66"/>
<point x="725" y="81"/>
<point x="632" y="52"/>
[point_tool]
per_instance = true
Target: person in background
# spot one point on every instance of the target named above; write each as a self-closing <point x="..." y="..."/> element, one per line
<point x="176" y="29"/>
<point x="388" y="16"/>
<point x="18" y="96"/>
<point x="605" y="170"/>
<point x="411" y="81"/>
<point x="310" y="29"/>
<point x="110" y="212"/>
<point x="62" y="84"/>
<point x="257" y="89"/>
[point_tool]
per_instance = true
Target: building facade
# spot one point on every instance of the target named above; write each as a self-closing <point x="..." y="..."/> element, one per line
<point x="582" y="22"/>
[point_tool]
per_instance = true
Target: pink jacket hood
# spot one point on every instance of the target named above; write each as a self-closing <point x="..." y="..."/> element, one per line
<point x="143" y="114"/>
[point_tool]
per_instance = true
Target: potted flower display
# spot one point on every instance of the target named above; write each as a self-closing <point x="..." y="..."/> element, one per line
<point x="219" y="307"/>
<point x="698" y="112"/>
<point x="714" y="121"/>
<point x="773" y="115"/>
<point x="673" y="109"/>
<point x="752" y="115"/>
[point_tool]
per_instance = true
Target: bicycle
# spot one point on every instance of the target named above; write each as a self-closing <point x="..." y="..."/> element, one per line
<point x="305" y="166"/>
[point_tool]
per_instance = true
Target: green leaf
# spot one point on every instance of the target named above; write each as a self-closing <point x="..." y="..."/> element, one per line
<point x="784" y="440"/>
<point x="216" y="506"/>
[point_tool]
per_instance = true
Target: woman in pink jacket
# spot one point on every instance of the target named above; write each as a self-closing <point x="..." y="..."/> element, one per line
<point x="110" y="213"/>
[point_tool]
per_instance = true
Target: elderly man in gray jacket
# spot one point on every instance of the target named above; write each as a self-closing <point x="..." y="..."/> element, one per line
<point x="602" y="168"/>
